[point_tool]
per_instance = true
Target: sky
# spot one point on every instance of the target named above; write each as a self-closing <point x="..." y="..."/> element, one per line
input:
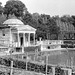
<point x="50" y="7"/>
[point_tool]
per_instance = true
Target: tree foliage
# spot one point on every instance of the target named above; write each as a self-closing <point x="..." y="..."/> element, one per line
<point x="2" y="16"/>
<point x="67" y="18"/>
<point x="73" y="17"/>
<point x="47" y="27"/>
<point x="14" y="7"/>
<point x="44" y="24"/>
<point x="1" y="8"/>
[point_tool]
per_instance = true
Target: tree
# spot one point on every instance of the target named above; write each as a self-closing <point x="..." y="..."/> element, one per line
<point x="73" y="20"/>
<point x="53" y="29"/>
<point x="2" y="16"/>
<point x="1" y="8"/>
<point x="27" y="18"/>
<point x="35" y="16"/>
<point x="67" y="19"/>
<point x="44" y="24"/>
<point x="15" y="7"/>
<point x="50" y="26"/>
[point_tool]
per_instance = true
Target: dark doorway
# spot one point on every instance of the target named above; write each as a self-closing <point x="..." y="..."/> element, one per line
<point x="21" y="40"/>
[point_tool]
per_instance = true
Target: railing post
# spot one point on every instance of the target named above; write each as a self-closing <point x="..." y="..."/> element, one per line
<point x="70" y="72"/>
<point x="46" y="64"/>
<point x="53" y="70"/>
<point x="11" y="71"/>
<point x="26" y="60"/>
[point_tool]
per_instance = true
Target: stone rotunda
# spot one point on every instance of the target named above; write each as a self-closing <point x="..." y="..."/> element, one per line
<point x="14" y="32"/>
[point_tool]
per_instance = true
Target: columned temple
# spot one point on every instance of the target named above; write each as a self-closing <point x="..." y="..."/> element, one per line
<point x="14" y="32"/>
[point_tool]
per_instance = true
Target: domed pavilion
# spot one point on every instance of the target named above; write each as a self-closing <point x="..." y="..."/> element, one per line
<point x="13" y="32"/>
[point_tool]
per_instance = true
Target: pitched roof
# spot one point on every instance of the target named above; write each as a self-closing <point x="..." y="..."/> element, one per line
<point x="25" y="28"/>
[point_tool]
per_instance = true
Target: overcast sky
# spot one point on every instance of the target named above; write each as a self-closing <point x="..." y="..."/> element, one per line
<point x="51" y="7"/>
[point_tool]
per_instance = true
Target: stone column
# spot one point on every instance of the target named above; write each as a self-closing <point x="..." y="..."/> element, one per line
<point x="29" y="39"/>
<point x="24" y="39"/>
<point x="10" y="37"/>
<point x="18" y="40"/>
<point x="34" y="38"/>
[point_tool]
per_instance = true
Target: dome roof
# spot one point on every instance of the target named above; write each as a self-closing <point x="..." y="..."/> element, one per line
<point x="13" y="21"/>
